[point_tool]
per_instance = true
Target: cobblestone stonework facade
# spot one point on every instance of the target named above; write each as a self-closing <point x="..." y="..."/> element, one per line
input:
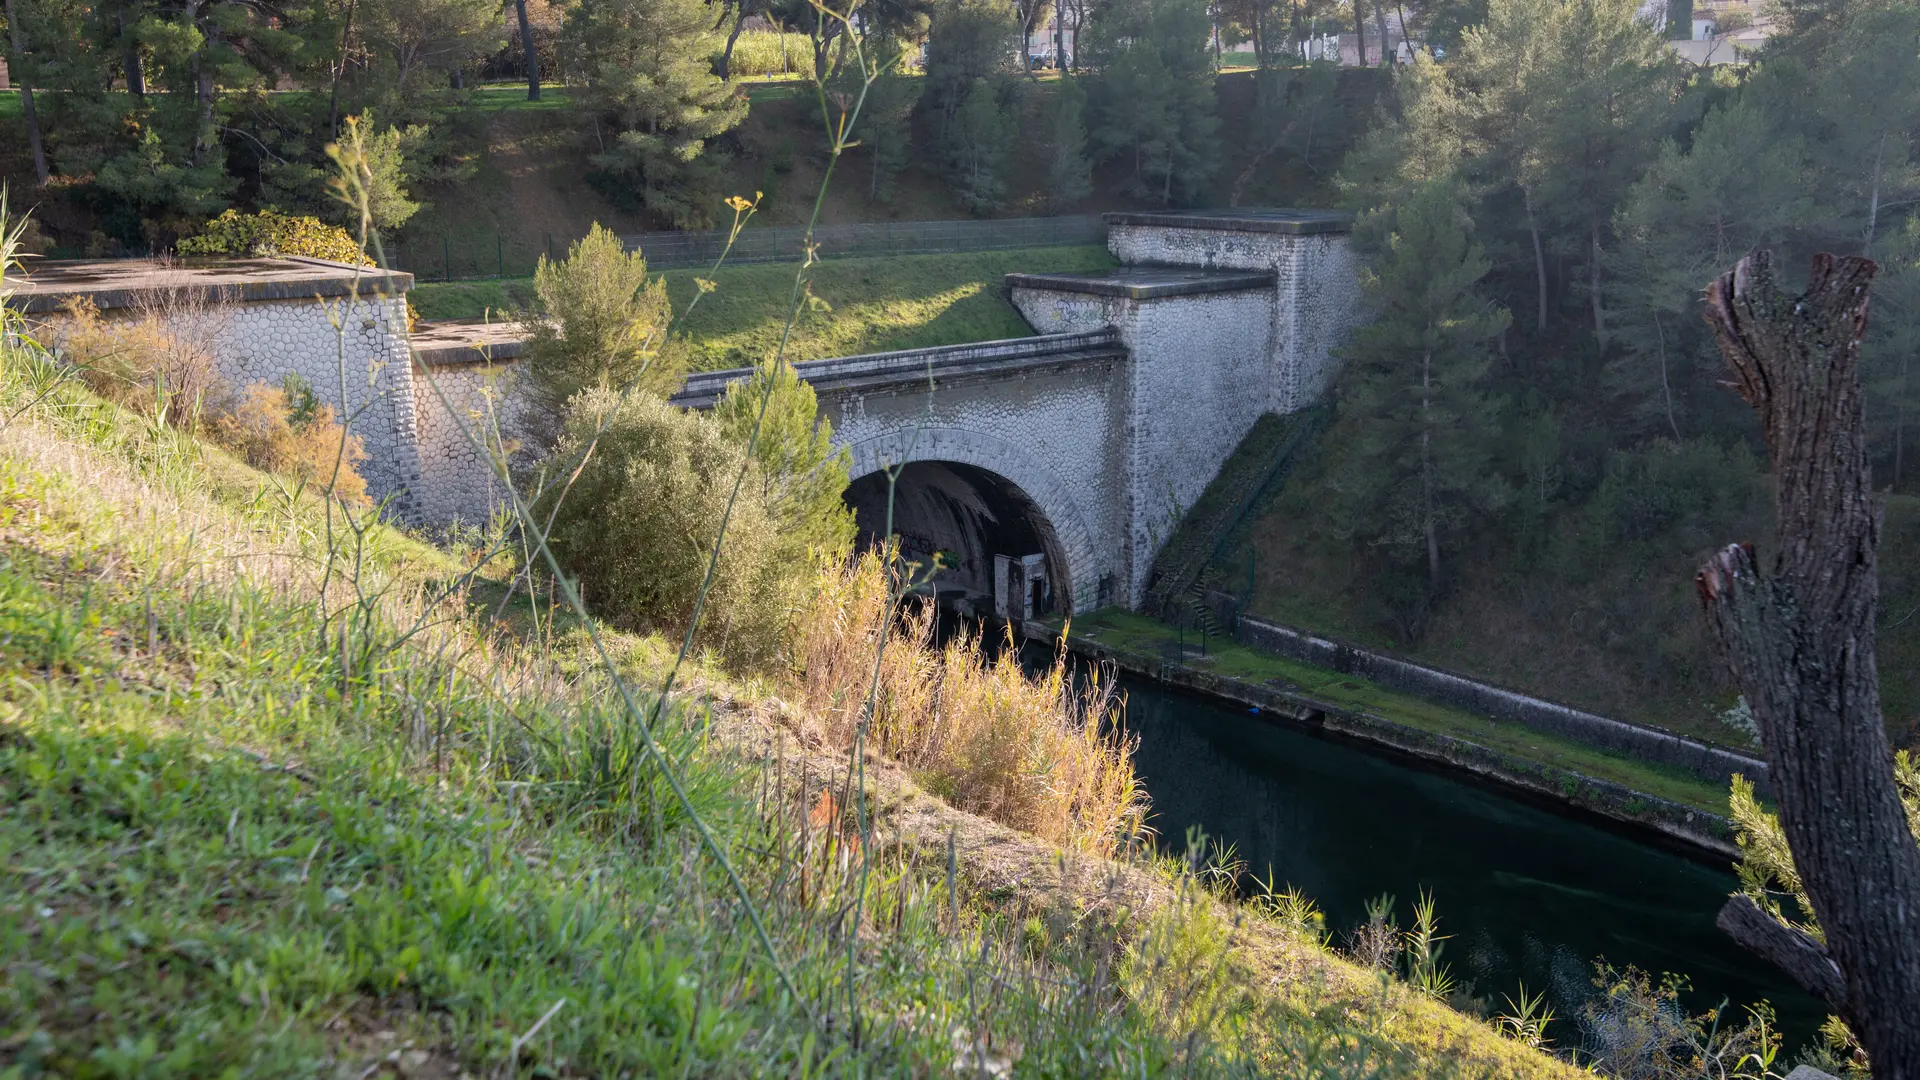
<point x="342" y="329"/>
<point x="354" y="353"/>
<point x="1199" y="364"/>
<point x="457" y="405"/>
<point x="1315" y="296"/>
<point x="1109" y="425"/>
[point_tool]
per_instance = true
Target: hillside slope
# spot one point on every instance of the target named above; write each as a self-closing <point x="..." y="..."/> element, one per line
<point x="1616" y="632"/>
<point x="275" y="801"/>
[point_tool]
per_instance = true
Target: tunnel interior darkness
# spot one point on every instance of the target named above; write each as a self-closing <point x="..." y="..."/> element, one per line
<point x="969" y="513"/>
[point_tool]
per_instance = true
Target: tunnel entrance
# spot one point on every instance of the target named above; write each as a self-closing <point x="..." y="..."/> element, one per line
<point x="1001" y="553"/>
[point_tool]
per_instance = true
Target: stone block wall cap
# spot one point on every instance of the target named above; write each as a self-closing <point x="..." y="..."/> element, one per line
<point x="873" y="370"/>
<point x="1147" y="282"/>
<point x="467" y="341"/>
<point x="1283" y="220"/>
<point x="120" y="283"/>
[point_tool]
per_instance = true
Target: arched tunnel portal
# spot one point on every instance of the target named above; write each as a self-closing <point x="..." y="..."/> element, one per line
<point x="985" y="525"/>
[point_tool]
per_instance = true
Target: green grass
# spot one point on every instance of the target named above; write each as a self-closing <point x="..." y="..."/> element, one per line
<point x="267" y="808"/>
<point x="1140" y="634"/>
<point x="235" y="842"/>
<point x="512" y="97"/>
<point x="874" y="304"/>
<point x="10" y="106"/>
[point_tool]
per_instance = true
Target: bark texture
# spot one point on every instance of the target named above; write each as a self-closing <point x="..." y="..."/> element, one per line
<point x="1800" y="641"/>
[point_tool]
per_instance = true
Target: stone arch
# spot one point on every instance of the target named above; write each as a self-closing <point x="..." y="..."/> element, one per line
<point x="1056" y="518"/>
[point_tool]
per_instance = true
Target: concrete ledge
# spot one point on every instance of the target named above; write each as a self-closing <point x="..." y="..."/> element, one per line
<point x="910" y="367"/>
<point x="1255" y="220"/>
<point x="1686" y="826"/>
<point x="1637" y="740"/>
<point x="1146" y="282"/>
<point x="122" y="283"/>
<point x="467" y="341"/>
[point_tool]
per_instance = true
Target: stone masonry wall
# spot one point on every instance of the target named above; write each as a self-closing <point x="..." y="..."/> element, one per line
<point x="1047" y="431"/>
<point x="362" y="368"/>
<point x="1199" y="363"/>
<point x="1315" y="300"/>
<point x="353" y="353"/>
<point x="1633" y="740"/>
<point x="454" y="405"/>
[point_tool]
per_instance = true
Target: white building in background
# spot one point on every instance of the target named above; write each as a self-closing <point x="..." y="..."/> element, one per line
<point x="1042" y="44"/>
<point x="1724" y="32"/>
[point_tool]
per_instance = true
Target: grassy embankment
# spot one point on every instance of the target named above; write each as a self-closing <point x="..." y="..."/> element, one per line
<point x="880" y="303"/>
<point x="1219" y="520"/>
<point x="1615" y="631"/>
<point x="1142" y="635"/>
<point x="527" y="190"/>
<point x="274" y="800"/>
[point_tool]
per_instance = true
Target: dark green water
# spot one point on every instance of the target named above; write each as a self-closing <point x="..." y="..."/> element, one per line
<point x="1526" y="893"/>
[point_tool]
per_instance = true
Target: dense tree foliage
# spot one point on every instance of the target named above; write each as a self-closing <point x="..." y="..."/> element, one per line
<point x="1607" y="184"/>
<point x="1417" y="426"/>
<point x="1152" y="98"/>
<point x="649" y="78"/>
<point x="970" y="99"/>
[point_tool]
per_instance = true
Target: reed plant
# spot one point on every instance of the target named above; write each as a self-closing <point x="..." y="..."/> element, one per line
<point x="1040" y="753"/>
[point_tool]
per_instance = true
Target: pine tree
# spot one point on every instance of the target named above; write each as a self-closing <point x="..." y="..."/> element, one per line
<point x="1585" y="97"/>
<point x="971" y="40"/>
<point x="886" y="126"/>
<point x="1152" y="95"/>
<point x="967" y="61"/>
<point x="979" y="140"/>
<point x="650" y="78"/>
<point x="803" y="477"/>
<point x="1888" y="365"/>
<point x="1741" y="185"/>
<point x="601" y="322"/>
<point x="1411" y="462"/>
<point x="1069" y="172"/>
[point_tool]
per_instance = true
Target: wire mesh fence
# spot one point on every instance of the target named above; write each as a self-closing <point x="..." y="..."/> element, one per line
<point x="473" y="256"/>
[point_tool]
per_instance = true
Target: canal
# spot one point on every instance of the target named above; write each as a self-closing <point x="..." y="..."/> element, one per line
<point x="1527" y="894"/>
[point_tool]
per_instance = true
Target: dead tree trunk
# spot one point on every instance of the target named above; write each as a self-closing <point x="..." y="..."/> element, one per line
<point x="1800" y="641"/>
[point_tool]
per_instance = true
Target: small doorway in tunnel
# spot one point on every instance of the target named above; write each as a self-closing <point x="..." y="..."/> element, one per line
<point x="1021" y="587"/>
<point x="995" y="549"/>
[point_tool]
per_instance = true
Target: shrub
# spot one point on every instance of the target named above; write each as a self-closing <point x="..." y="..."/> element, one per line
<point x="1036" y="754"/>
<point x="1683" y="490"/>
<point x="1635" y="1028"/>
<point x="268" y="233"/>
<point x="803" y="478"/>
<point x="600" y="323"/>
<point x="157" y="361"/>
<point x="285" y="429"/>
<point x="637" y="525"/>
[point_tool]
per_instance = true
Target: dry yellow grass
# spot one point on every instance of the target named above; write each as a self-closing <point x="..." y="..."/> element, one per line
<point x="1178" y="947"/>
<point x="1041" y="755"/>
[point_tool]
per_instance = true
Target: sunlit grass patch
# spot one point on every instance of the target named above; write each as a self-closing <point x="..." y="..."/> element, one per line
<point x="874" y="304"/>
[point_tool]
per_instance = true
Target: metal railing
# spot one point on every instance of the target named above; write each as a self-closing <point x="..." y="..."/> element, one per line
<point x="475" y="256"/>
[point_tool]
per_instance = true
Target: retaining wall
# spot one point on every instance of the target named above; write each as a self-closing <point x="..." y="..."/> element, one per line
<point x="1635" y="740"/>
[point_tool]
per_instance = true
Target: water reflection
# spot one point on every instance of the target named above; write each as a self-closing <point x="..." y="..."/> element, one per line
<point x="1527" y="894"/>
